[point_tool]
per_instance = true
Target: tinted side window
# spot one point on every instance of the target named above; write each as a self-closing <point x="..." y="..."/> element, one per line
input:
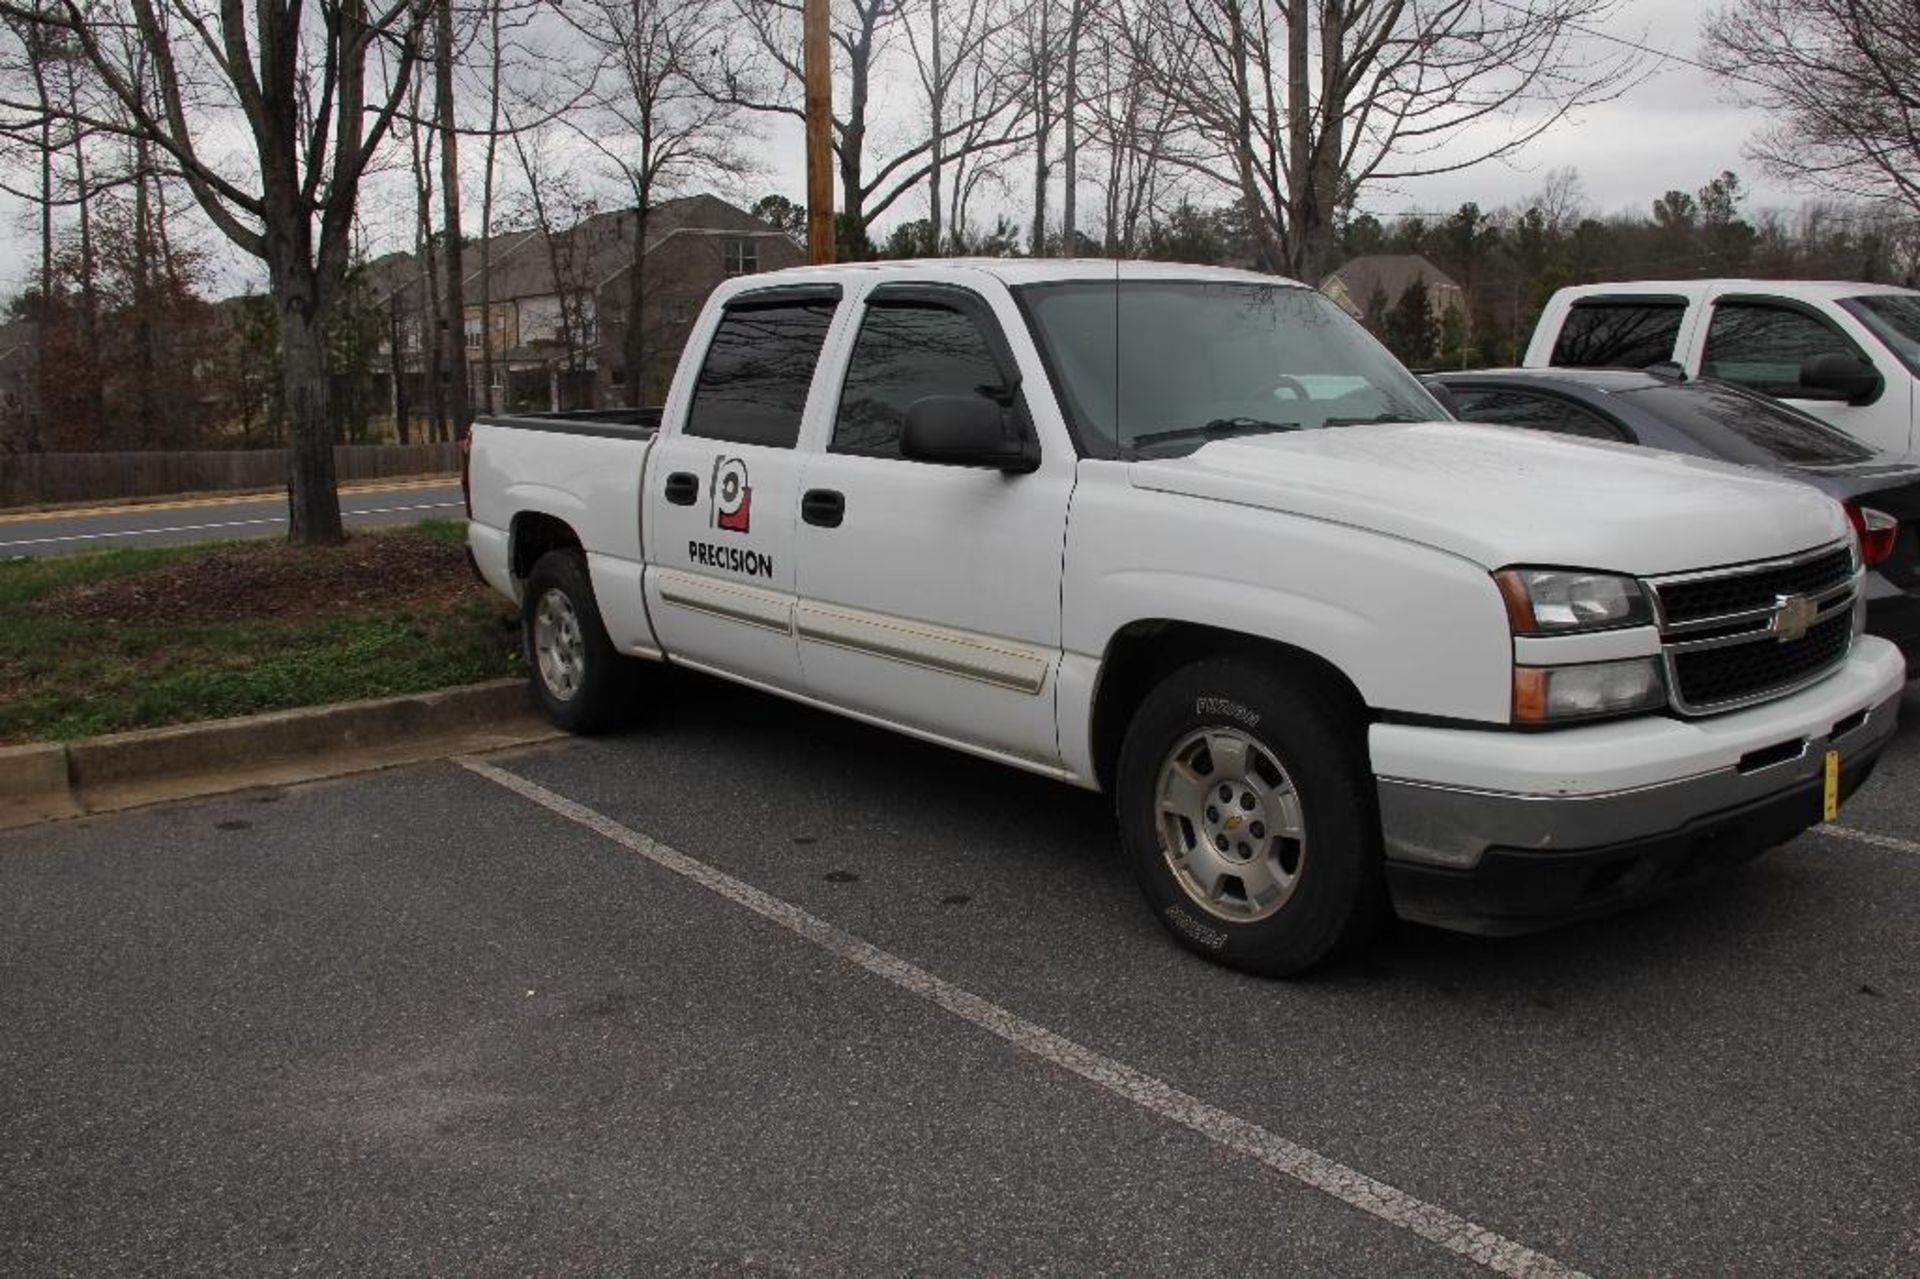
<point x="906" y="352"/>
<point x="753" y="386"/>
<point x="1535" y="412"/>
<point x="1618" y="334"/>
<point x="1742" y="427"/>
<point x="1763" y="346"/>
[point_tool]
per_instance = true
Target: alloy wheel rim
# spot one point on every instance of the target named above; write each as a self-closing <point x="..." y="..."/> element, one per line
<point x="1231" y="825"/>
<point x="559" y="649"/>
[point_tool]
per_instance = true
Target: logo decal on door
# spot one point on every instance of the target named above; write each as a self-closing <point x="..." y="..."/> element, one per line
<point x="732" y="495"/>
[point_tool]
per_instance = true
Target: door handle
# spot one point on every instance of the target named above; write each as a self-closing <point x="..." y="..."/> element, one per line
<point x="683" y="488"/>
<point x="824" y="507"/>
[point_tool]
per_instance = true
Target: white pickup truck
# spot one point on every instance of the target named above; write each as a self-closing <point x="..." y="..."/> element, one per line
<point x="1848" y="353"/>
<point x="1192" y="537"/>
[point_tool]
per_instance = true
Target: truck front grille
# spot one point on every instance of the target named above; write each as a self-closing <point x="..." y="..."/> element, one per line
<point x="1723" y="635"/>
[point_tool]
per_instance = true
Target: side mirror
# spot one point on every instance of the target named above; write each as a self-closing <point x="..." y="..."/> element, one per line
<point x="967" y="430"/>
<point x="1442" y="392"/>
<point x="1841" y="377"/>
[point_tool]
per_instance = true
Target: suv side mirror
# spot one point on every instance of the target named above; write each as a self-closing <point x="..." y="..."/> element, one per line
<point x="1840" y="376"/>
<point x="967" y="430"/>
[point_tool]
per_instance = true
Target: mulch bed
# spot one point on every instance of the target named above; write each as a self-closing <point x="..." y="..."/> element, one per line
<point x="374" y="573"/>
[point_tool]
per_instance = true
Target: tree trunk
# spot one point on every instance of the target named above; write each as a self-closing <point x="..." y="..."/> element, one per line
<point x="1070" y="159"/>
<point x="853" y="200"/>
<point x="1042" y="127"/>
<point x="1299" y="211"/>
<point x="635" y="353"/>
<point x="313" y="506"/>
<point x="457" y="390"/>
<point x="147" y="423"/>
<point x="1324" y="180"/>
<point x="486" y="219"/>
<point x="937" y="108"/>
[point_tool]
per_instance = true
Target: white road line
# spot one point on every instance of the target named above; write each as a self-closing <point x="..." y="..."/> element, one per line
<point x="1435" y="1224"/>
<point x="202" y="528"/>
<point x="142" y="532"/>
<point x="1868" y="837"/>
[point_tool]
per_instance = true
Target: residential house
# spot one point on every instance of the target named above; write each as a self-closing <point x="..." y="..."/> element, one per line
<point x="555" y="317"/>
<point x="1361" y="284"/>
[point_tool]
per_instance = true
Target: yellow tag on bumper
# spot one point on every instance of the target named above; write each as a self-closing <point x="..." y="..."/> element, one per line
<point x="1833" y="786"/>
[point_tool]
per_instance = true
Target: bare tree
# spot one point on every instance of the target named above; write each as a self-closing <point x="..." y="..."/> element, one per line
<point x="556" y="205"/>
<point x="1128" y="125"/>
<point x="451" y="236"/>
<point x="652" y="113"/>
<point x="316" y="87"/>
<point x="1839" y="79"/>
<point x="430" y="319"/>
<point x="764" y="74"/>
<point x="1299" y="107"/>
<point x="956" y="58"/>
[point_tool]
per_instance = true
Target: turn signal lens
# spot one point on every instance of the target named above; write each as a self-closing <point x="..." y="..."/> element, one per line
<point x="1545" y="694"/>
<point x="1876" y="530"/>
<point x="1546" y="601"/>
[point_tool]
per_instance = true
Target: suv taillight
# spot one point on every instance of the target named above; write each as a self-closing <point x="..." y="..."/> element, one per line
<point x="1876" y="530"/>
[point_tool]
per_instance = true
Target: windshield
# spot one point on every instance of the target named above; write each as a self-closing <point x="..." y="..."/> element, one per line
<point x="1894" y="318"/>
<point x="1739" y="426"/>
<point x="1160" y="367"/>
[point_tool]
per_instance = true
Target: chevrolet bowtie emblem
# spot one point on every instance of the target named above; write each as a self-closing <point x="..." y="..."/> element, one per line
<point x="1793" y="615"/>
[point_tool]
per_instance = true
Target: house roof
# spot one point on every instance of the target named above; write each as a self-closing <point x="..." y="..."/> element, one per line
<point x="589" y="254"/>
<point x="1355" y="284"/>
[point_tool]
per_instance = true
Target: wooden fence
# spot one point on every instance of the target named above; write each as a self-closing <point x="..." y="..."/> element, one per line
<point x="30" y="479"/>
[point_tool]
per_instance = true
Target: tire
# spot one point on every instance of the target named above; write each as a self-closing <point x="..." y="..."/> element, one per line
<point x="580" y="680"/>
<point x="1229" y="750"/>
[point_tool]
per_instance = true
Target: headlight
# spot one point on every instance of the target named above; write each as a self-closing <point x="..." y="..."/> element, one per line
<point x="1551" y="601"/>
<point x="1544" y="694"/>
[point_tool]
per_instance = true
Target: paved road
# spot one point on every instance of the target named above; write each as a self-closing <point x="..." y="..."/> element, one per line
<point x="215" y="519"/>
<point x="755" y="989"/>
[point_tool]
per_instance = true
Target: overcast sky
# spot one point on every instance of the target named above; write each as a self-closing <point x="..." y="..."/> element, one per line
<point x="1676" y="129"/>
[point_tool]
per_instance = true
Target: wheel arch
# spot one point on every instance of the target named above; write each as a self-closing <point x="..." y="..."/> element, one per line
<point x="1142" y="653"/>
<point x="533" y="534"/>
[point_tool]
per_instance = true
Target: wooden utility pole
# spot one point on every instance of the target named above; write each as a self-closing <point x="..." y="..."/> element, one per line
<point x="819" y="70"/>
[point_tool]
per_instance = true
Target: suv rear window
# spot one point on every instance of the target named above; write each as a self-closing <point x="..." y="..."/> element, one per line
<point x="759" y="367"/>
<point x="1619" y="333"/>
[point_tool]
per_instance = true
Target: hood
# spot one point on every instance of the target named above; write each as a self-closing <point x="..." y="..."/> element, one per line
<point x="1501" y="496"/>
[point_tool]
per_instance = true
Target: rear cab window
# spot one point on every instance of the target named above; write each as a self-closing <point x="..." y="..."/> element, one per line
<point x="1619" y="332"/>
<point x="759" y="367"/>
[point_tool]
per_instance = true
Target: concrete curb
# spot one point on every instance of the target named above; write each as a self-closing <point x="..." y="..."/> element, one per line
<point x="123" y="770"/>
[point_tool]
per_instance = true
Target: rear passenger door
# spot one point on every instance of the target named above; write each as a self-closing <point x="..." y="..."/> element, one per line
<point x="930" y="594"/>
<point x="724" y="483"/>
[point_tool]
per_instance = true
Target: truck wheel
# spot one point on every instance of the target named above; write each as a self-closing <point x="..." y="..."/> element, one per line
<point x="1247" y="812"/>
<point x="581" y="681"/>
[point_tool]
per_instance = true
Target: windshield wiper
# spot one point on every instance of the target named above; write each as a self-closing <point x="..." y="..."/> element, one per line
<point x="1370" y="421"/>
<point x="1218" y="429"/>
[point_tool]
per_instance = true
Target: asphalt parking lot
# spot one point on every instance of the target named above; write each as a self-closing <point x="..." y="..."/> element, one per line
<point x="750" y="988"/>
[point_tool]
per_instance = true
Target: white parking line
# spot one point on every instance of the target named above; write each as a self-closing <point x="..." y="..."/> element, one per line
<point x="1868" y="837"/>
<point x="1435" y="1224"/>
<point x="202" y="528"/>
